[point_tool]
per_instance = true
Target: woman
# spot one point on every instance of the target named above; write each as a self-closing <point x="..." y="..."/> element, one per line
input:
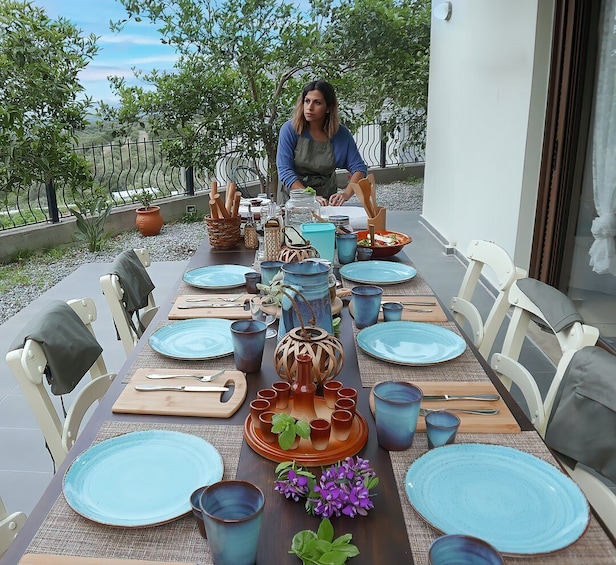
<point x="313" y="144"/>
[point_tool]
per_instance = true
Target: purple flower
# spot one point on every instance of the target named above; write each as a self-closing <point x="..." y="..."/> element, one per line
<point x="342" y="489"/>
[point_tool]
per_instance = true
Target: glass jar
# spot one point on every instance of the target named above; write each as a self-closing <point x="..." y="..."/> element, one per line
<point x="300" y="207"/>
<point x="341" y="222"/>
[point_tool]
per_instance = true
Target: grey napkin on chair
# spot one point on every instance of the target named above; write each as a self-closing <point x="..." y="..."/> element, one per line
<point x="134" y="279"/>
<point x="582" y="424"/>
<point x="69" y="346"/>
<point x="557" y="307"/>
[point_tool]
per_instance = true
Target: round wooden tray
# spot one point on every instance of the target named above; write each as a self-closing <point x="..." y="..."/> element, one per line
<point x="305" y="454"/>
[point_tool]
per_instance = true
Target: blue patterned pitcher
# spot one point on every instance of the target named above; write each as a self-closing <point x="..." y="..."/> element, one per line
<point x="311" y="280"/>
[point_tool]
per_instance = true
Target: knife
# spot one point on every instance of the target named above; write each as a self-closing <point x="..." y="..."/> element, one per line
<point x="417" y="309"/>
<point x="460" y="397"/>
<point x="210" y="305"/>
<point x="182" y="388"/>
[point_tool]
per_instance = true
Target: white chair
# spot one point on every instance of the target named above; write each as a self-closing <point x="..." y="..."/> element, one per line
<point x="28" y="366"/>
<point x="482" y="254"/>
<point x="128" y="331"/>
<point x="10" y="524"/>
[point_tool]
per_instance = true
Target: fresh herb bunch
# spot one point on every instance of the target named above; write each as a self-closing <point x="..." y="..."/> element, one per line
<point x="321" y="548"/>
<point x="288" y="428"/>
<point x="273" y="291"/>
<point x="342" y="489"/>
<point x="310" y="190"/>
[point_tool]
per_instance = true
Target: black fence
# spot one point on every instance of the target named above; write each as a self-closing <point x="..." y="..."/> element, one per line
<point x="126" y="169"/>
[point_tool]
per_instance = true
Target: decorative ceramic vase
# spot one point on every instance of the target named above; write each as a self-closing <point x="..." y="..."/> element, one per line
<point x="296" y="251"/>
<point x="324" y="350"/>
<point x="303" y="391"/>
<point x="149" y="220"/>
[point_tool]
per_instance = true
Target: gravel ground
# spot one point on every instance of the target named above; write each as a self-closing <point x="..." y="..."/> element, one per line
<point x="176" y="242"/>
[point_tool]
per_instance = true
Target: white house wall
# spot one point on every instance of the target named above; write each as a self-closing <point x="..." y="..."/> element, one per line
<point x="489" y="68"/>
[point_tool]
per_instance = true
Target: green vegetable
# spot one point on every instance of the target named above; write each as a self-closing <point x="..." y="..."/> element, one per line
<point x="288" y="428"/>
<point x="321" y="548"/>
<point x="310" y="190"/>
<point x="336" y="324"/>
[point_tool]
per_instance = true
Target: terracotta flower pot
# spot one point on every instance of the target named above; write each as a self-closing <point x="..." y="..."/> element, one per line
<point x="149" y="220"/>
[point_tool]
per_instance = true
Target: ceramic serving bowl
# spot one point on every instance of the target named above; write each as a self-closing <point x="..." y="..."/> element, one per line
<point x="381" y="248"/>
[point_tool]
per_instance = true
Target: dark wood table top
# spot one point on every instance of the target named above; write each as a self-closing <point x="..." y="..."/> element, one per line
<point x="381" y="536"/>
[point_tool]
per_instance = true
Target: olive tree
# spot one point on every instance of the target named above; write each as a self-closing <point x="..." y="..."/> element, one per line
<point x="41" y="109"/>
<point x="243" y="63"/>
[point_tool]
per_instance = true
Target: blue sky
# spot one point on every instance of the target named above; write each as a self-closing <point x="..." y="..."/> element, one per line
<point x="138" y="45"/>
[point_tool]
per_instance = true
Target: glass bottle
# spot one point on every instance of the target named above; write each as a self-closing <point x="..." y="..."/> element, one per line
<point x="303" y="390"/>
<point x="299" y="210"/>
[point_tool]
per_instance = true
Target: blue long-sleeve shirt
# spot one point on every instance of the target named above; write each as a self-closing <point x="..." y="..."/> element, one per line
<point x="345" y="152"/>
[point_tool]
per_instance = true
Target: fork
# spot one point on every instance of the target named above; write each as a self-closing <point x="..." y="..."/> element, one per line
<point x="203" y="379"/>
<point x="225" y="299"/>
<point x="479" y="411"/>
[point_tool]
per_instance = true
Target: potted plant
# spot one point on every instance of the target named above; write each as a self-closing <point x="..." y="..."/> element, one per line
<point x="149" y="219"/>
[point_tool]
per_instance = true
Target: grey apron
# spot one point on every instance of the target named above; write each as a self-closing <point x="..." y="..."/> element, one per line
<point x="315" y="164"/>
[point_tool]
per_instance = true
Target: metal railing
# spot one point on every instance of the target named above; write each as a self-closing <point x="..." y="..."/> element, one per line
<point x="125" y="169"/>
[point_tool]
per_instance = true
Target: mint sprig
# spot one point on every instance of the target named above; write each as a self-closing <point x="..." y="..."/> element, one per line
<point x="321" y="548"/>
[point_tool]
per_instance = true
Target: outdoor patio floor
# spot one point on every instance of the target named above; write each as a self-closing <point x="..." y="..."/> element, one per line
<point x="25" y="465"/>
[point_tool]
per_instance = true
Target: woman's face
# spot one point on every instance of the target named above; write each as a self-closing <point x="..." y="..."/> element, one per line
<point x="315" y="107"/>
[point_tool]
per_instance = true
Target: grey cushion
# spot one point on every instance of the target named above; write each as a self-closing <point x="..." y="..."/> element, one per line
<point x="582" y="425"/>
<point x="558" y="309"/>
<point x="69" y="346"/>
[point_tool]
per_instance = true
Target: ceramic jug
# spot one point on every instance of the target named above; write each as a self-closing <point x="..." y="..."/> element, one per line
<point x="308" y="291"/>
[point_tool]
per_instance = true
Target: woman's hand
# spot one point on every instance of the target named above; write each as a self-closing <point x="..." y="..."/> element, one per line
<point x="322" y="201"/>
<point x="338" y="199"/>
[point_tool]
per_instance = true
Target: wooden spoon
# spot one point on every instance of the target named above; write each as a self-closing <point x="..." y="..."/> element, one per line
<point x="360" y="196"/>
<point x="364" y="185"/>
<point x="372" y="181"/>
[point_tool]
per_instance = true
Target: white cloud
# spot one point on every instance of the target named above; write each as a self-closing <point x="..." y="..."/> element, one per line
<point x="96" y="73"/>
<point x="153" y="60"/>
<point x="128" y="38"/>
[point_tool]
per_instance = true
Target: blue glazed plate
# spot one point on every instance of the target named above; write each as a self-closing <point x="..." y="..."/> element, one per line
<point x="513" y="500"/>
<point x="217" y="276"/>
<point x="141" y="478"/>
<point x="194" y="339"/>
<point x="411" y="343"/>
<point x="378" y="272"/>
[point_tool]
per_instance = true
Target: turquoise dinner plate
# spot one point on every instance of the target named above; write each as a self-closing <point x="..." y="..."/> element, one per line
<point x="410" y="343"/>
<point x="377" y="272"/>
<point x="140" y="478"/>
<point x="206" y="338"/>
<point x="217" y="276"/>
<point x="513" y="500"/>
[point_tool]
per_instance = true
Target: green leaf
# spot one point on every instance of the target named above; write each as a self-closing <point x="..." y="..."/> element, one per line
<point x="286" y="439"/>
<point x="332" y="558"/>
<point x="302" y="429"/>
<point x="326" y="530"/>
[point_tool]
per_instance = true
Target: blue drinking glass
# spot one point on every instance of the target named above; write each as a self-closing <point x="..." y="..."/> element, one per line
<point x="232" y="513"/>
<point x="269" y="269"/>
<point x="366" y="305"/>
<point x="396" y="410"/>
<point x="346" y="244"/>
<point x="392" y="311"/>
<point x="441" y="428"/>
<point x="248" y="337"/>
<point x="456" y="548"/>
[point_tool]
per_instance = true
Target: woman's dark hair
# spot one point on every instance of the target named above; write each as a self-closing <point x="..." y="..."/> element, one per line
<point x="332" y="121"/>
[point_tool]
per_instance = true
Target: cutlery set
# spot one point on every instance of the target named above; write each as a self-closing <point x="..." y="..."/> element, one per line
<point x="202" y="378"/>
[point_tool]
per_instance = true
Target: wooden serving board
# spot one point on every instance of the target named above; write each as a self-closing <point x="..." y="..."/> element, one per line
<point x="437" y="314"/>
<point x="178" y="403"/>
<point x="305" y="454"/>
<point x="41" y="559"/>
<point x="234" y="313"/>
<point x="503" y="422"/>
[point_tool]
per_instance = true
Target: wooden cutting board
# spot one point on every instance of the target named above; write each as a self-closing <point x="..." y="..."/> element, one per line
<point x="178" y="403"/>
<point x="41" y="559"/>
<point x="233" y="313"/>
<point x="503" y="422"/>
<point x="437" y="314"/>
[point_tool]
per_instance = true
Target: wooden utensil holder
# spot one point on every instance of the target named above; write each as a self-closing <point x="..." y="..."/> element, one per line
<point x="379" y="220"/>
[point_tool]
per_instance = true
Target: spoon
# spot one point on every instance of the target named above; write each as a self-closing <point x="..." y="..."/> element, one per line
<point x="206" y="299"/>
<point x="202" y="378"/>
<point x="481" y="412"/>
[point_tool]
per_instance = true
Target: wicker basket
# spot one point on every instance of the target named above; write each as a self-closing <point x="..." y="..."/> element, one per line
<point x="225" y="232"/>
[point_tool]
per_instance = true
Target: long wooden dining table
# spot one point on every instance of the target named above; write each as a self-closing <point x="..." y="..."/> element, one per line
<point x="393" y="532"/>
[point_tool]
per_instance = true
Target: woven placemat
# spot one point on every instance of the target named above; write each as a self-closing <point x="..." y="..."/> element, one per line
<point x="594" y="547"/>
<point x="64" y="532"/>
<point x="416" y="286"/>
<point x="150" y="359"/>
<point x="462" y="368"/>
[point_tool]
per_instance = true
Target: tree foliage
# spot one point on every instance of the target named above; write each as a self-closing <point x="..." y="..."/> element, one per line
<point x="40" y="111"/>
<point x="243" y="63"/>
